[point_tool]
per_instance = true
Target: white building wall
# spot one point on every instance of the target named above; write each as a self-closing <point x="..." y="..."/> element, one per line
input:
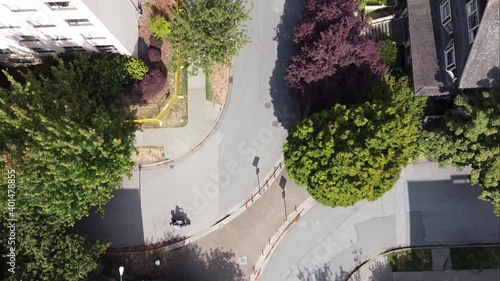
<point x="17" y="18"/>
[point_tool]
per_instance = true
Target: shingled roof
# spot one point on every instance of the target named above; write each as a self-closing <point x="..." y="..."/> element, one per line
<point x="427" y="77"/>
<point x="482" y="67"/>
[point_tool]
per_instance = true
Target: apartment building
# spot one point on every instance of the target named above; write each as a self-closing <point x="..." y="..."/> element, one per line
<point x="33" y="28"/>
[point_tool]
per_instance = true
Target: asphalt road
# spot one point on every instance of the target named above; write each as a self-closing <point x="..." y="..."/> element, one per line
<point x="428" y="206"/>
<point x="222" y="173"/>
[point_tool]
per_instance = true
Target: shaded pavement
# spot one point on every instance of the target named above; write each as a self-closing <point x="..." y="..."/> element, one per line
<point x="246" y="235"/>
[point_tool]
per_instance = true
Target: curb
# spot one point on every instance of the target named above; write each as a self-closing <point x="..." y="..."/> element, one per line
<point x="220" y="222"/>
<point x="276" y="239"/>
<point x="402" y="248"/>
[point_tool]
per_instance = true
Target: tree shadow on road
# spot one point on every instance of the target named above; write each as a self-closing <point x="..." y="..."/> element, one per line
<point x="323" y="273"/>
<point x="190" y="263"/>
<point x="285" y="106"/>
<point x="378" y="271"/>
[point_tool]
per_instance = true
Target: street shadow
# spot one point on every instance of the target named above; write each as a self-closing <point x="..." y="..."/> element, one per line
<point x="380" y="271"/>
<point x="179" y="214"/>
<point x="121" y="222"/>
<point x="190" y="263"/>
<point x="323" y="273"/>
<point x="286" y="107"/>
<point x="448" y="212"/>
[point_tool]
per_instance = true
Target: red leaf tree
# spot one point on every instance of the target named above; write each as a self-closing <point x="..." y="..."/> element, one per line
<point x="333" y="57"/>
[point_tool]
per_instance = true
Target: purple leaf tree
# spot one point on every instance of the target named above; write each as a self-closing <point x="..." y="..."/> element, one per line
<point x="332" y="52"/>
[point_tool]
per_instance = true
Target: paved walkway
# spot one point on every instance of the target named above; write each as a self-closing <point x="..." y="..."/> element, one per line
<point x="202" y="117"/>
<point x="244" y="237"/>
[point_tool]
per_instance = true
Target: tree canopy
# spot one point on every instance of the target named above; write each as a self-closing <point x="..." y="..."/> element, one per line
<point x="332" y="56"/>
<point x="204" y="32"/>
<point x="66" y="135"/>
<point x="471" y="136"/>
<point x="349" y="153"/>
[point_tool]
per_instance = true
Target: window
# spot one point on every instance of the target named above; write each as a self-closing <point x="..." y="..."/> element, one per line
<point x="40" y="25"/>
<point x="3" y="26"/>
<point x="449" y="56"/>
<point x="472" y="19"/>
<point x="43" y="50"/>
<point x="16" y="8"/>
<point x="59" y="38"/>
<point x="61" y="5"/>
<point x="445" y="11"/>
<point x="90" y="37"/>
<point x="73" y="49"/>
<point x="5" y="51"/>
<point x="28" y="38"/>
<point x="446" y="16"/>
<point x="105" y="48"/>
<point x="78" y="22"/>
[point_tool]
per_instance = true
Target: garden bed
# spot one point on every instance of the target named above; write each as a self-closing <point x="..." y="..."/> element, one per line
<point x="148" y="155"/>
<point x="475" y="258"/>
<point x="411" y="260"/>
<point x="217" y="84"/>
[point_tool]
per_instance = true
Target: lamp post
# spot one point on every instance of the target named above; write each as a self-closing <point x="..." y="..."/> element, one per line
<point x="121" y="269"/>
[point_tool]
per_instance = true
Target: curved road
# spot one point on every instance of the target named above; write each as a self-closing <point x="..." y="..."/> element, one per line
<point x="222" y="173"/>
<point x="428" y="206"/>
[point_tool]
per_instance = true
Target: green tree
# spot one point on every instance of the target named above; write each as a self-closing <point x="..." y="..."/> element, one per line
<point x="208" y="32"/>
<point x="55" y="256"/>
<point x="388" y="52"/>
<point x="69" y="140"/>
<point x="136" y="69"/>
<point x="159" y="26"/>
<point x="69" y="146"/>
<point x="471" y="136"/>
<point x="349" y="153"/>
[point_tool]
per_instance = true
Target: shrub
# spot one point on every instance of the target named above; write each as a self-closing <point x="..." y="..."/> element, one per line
<point x="388" y="53"/>
<point x="159" y="26"/>
<point x="153" y="84"/>
<point x="154" y="54"/>
<point x="351" y="153"/>
<point x="136" y="69"/>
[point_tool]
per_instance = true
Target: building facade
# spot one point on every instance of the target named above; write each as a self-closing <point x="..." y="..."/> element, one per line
<point x="454" y="45"/>
<point x="33" y="28"/>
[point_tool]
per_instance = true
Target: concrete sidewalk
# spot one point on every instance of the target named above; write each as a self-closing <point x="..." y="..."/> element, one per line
<point x="202" y="117"/>
<point x="244" y="238"/>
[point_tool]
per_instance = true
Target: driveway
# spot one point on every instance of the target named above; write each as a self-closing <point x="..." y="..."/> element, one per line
<point x="222" y="173"/>
<point x="428" y="206"/>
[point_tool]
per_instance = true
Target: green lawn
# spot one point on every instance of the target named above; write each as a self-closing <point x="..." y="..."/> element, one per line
<point x="475" y="258"/>
<point x="411" y="260"/>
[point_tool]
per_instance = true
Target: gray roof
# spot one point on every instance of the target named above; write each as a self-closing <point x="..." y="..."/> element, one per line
<point x="121" y="19"/>
<point x="427" y="77"/>
<point x="482" y="66"/>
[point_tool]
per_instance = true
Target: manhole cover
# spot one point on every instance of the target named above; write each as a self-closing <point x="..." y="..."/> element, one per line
<point x="243" y="260"/>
